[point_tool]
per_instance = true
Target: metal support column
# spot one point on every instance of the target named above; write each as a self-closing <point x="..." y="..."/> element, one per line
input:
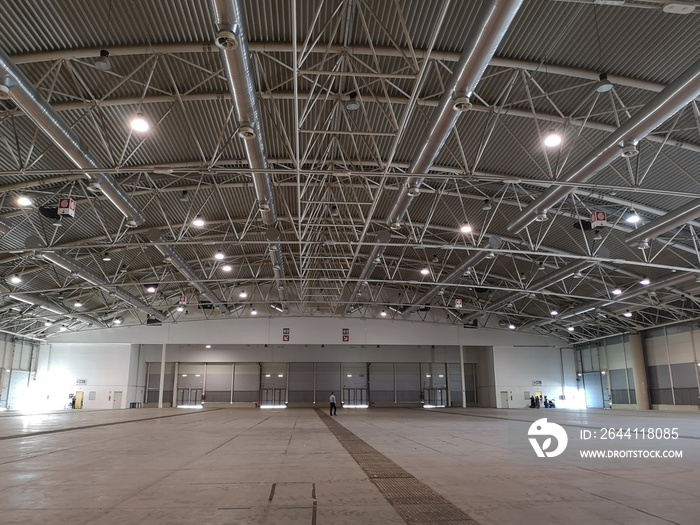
<point x="639" y="370"/>
<point x="162" y="377"/>
<point x="464" y="379"/>
<point x="175" y="375"/>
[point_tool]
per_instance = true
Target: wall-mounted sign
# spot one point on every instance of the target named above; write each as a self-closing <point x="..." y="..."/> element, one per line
<point x="66" y="207"/>
<point x="81" y="381"/>
<point x="346" y="335"/>
<point x="285" y="334"/>
<point x="599" y="218"/>
<point x="536" y="382"/>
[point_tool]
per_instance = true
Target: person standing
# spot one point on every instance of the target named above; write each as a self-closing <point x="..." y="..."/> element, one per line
<point x="334" y="410"/>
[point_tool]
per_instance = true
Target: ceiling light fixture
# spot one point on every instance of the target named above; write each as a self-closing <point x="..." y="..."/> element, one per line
<point x="352" y="104"/>
<point x="207" y="346"/>
<point x="24" y="201"/>
<point x="511" y="326"/>
<point x="424" y="271"/>
<point x="106" y="257"/>
<point x="243" y="294"/>
<point x="604" y="85"/>
<point x="645" y="281"/>
<point x="554" y="312"/>
<point x="227" y="267"/>
<point x="198" y="221"/>
<point x="78" y="304"/>
<point x="48" y="323"/>
<point x="616" y="291"/>
<point x="466" y="228"/>
<point x="633" y="218"/>
<point x="219" y="256"/>
<point x="253" y="312"/>
<point x="597" y="236"/>
<point x="15" y="279"/>
<point x="151" y="288"/>
<point x="552" y="139"/>
<point x="63" y="328"/>
<point x="139" y="124"/>
<point x="103" y="63"/>
<point x="541" y="266"/>
<point x="117" y="320"/>
<point x="180" y="308"/>
<point x="487" y="205"/>
<point x="383" y="314"/>
<point x="627" y="314"/>
<point x="570" y="328"/>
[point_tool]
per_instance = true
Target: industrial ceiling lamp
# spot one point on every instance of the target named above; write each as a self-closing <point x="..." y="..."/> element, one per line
<point x="106" y="257"/>
<point x="139" y="124"/>
<point x="352" y="104"/>
<point x="383" y="314"/>
<point x="465" y="228"/>
<point x="627" y="313"/>
<point x="24" y="201"/>
<point x="552" y="139"/>
<point x="645" y="281"/>
<point x="103" y="63"/>
<point x="219" y="256"/>
<point x="15" y="279"/>
<point x="198" y="221"/>
<point x="597" y="236"/>
<point x="487" y="205"/>
<point x="151" y="288"/>
<point x="633" y="218"/>
<point x="604" y="85"/>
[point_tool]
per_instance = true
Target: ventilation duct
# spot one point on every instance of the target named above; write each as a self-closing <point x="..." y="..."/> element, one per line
<point x="178" y="262"/>
<point x="662" y="107"/>
<point x="45" y="117"/>
<point x="491" y="24"/>
<point x="660" y="225"/>
<point x="540" y="284"/>
<point x="456" y="274"/>
<point x="383" y="238"/>
<point x="601" y="303"/>
<point x="228" y="18"/>
<point x="76" y="269"/>
<point x="57" y="309"/>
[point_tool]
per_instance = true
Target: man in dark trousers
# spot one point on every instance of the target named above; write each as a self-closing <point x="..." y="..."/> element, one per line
<point x="334" y="410"/>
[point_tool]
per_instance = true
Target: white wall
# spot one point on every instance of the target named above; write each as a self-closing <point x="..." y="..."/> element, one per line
<point x="515" y="370"/>
<point x="105" y="367"/>
<point x="311" y="331"/>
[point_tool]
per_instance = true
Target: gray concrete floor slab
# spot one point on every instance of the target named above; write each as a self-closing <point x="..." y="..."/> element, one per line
<point x="249" y="466"/>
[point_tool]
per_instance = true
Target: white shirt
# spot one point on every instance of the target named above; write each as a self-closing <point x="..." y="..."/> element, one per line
<point x="332" y="398"/>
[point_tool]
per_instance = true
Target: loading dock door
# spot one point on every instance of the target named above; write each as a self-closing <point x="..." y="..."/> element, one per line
<point x="594" y="389"/>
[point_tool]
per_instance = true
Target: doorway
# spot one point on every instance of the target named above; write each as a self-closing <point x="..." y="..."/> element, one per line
<point x="117" y="400"/>
<point x="505" y="399"/>
<point x="189" y="397"/>
<point x="436" y="397"/>
<point x="274" y="396"/>
<point x="79" y="399"/>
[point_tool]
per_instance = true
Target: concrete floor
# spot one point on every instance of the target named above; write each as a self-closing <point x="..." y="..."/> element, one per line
<point x="248" y="466"/>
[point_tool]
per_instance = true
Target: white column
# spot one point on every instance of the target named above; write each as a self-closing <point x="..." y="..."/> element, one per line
<point x="162" y="378"/>
<point x="639" y="369"/>
<point x="464" y="379"/>
<point x="175" y="375"/>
